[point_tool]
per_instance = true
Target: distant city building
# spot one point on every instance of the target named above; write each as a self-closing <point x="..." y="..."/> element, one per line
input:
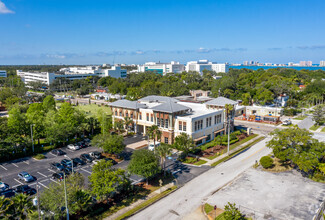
<point x="246" y="63"/>
<point x="71" y="73"/>
<point x="321" y="63"/>
<point x="162" y="68"/>
<point x="3" y="73"/>
<point x="201" y="65"/>
<point x="305" y="63"/>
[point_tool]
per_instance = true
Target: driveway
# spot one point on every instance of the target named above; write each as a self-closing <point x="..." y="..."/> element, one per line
<point x="306" y="123"/>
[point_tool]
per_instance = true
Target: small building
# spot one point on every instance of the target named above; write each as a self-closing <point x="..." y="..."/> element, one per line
<point x="3" y="73"/>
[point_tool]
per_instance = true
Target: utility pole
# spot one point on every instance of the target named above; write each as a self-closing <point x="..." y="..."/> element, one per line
<point x="65" y="197"/>
<point x="31" y="131"/>
<point x="228" y="135"/>
<point x="38" y="203"/>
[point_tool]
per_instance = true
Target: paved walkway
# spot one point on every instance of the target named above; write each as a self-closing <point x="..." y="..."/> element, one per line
<point x="306" y="123"/>
<point x="230" y="152"/>
<point x="138" y="145"/>
<point x="135" y="204"/>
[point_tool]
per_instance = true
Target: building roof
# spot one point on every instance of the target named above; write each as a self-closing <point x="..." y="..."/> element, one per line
<point x="127" y="104"/>
<point x="157" y="98"/>
<point x="170" y="107"/>
<point x="221" y="101"/>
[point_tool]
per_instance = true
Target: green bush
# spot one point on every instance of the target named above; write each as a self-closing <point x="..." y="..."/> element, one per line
<point x="266" y="162"/>
<point x="39" y="156"/>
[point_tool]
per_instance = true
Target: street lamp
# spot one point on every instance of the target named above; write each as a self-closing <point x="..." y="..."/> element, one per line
<point x="70" y="160"/>
<point x="65" y="197"/>
<point x="31" y="131"/>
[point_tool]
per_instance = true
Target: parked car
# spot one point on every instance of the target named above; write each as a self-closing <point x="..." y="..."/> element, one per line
<point x="86" y="158"/>
<point x="152" y="145"/>
<point x="3" y="186"/>
<point x="8" y="193"/>
<point x="56" y="166"/>
<point x="95" y="155"/>
<point x="66" y="163"/>
<point x="78" y="162"/>
<point x="73" y="147"/>
<point x="287" y="122"/>
<point x="58" y="152"/>
<point x="82" y="144"/>
<point x="58" y="176"/>
<point x="26" y="177"/>
<point x="107" y="159"/>
<point x="67" y="170"/>
<point x="25" y="189"/>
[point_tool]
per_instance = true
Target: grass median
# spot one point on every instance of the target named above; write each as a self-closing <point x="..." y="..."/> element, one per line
<point x="237" y="152"/>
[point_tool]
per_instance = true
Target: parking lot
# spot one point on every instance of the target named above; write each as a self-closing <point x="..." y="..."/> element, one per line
<point x="40" y="169"/>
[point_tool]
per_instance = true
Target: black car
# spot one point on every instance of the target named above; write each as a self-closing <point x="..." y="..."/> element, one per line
<point x="82" y="144"/>
<point x="25" y="189"/>
<point x="110" y="159"/>
<point x="58" y="152"/>
<point x="78" y="162"/>
<point x="8" y="193"/>
<point x="56" y="166"/>
<point x="95" y="155"/>
<point x="67" y="170"/>
<point x="58" y="176"/>
<point x="66" y="163"/>
<point x="86" y="158"/>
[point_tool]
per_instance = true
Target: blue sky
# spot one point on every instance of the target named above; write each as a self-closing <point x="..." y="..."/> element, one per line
<point x="136" y="31"/>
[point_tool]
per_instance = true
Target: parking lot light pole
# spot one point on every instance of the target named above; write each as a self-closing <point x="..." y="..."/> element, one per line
<point x="65" y="197"/>
<point x="31" y="131"/>
<point x="70" y="160"/>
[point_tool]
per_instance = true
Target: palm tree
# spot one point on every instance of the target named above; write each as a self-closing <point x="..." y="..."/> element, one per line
<point x="118" y="125"/>
<point x="5" y="204"/>
<point x="184" y="143"/>
<point x="154" y="133"/>
<point x="22" y="205"/>
<point x="163" y="151"/>
<point x="128" y="121"/>
<point x="82" y="200"/>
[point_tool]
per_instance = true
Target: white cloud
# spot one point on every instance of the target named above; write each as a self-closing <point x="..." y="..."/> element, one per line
<point x="4" y="9"/>
<point x="55" y="56"/>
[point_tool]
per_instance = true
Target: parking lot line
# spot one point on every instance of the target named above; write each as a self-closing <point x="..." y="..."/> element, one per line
<point x="43" y="185"/>
<point x="41" y="174"/>
<point x="18" y="181"/>
<point x="52" y="171"/>
<point x="54" y="155"/>
<point x="54" y="181"/>
<point x="44" y="180"/>
<point x="3" y="167"/>
<point x="26" y="162"/>
<point x="86" y="170"/>
<point x="14" y="164"/>
<point x="15" y="186"/>
<point x="32" y="184"/>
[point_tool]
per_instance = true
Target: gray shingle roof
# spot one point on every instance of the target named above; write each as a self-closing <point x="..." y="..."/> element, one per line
<point x="221" y="101"/>
<point x="157" y="98"/>
<point x="127" y="104"/>
<point x="170" y="107"/>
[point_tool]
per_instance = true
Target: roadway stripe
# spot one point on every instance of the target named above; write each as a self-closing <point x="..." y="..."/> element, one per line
<point x="15" y="186"/>
<point x="3" y="167"/>
<point x="18" y="181"/>
<point x="41" y="174"/>
<point x="44" y="180"/>
<point x="26" y="162"/>
<point x="254" y="153"/>
<point x="52" y="171"/>
<point x="54" y="181"/>
<point x="15" y="165"/>
<point x="43" y="185"/>
<point x="32" y="184"/>
<point x="85" y="170"/>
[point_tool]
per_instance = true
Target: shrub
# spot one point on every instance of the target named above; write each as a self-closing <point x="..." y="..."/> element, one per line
<point x="39" y="157"/>
<point x="266" y="162"/>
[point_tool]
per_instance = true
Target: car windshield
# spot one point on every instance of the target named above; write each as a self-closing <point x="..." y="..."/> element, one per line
<point x="26" y="175"/>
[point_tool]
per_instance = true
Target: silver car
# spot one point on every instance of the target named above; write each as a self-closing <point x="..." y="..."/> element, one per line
<point x="24" y="176"/>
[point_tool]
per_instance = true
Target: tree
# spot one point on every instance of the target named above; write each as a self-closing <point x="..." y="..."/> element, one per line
<point x="128" y="122"/>
<point x="104" y="120"/>
<point x="144" y="163"/>
<point x="104" y="180"/>
<point x="184" y="143"/>
<point x="266" y="162"/>
<point x="5" y="204"/>
<point x="154" y="133"/>
<point x="163" y="151"/>
<point x="319" y="114"/>
<point x="112" y="144"/>
<point x="232" y="213"/>
<point x="118" y="125"/>
<point x="21" y="206"/>
<point x="35" y="116"/>
<point x="49" y="103"/>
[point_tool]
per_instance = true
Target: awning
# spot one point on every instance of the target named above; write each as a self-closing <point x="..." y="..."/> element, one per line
<point x="198" y="139"/>
<point x="219" y="131"/>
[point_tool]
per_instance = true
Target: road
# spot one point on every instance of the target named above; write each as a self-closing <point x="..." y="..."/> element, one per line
<point x="306" y="123"/>
<point x="193" y="194"/>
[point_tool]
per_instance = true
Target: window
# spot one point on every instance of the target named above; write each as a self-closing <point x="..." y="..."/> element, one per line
<point x="151" y="117"/>
<point x="162" y="122"/>
<point x="147" y="117"/>
<point x="166" y="123"/>
<point x="210" y="119"/>
<point x="140" y="116"/>
<point x="180" y="126"/>
<point x="184" y="126"/>
<point x="127" y="114"/>
<point x="208" y="138"/>
<point x="166" y="140"/>
<point x="116" y="113"/>
<point x="201" y="126"/>
<point x="132" y="115"/>
<point x="207" y="124"/>
<point x="195" y="127"/>
<point x="215" y="119"/>
<point x="158" y="122"/>
<point x="120" y="114"/>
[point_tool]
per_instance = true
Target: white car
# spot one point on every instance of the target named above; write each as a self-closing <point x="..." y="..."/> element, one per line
<point x="3" y="186"/>
<point x="286" y="122"/>
<point x="73" y="147"/>
<point x="152" y="145"/>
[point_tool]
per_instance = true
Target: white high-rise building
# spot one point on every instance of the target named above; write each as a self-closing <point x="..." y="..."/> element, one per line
<point x="201" y="65"/>
<point x="3" y="73"/>
<point x="322" y="63"/>
<point x="162" y="68"/>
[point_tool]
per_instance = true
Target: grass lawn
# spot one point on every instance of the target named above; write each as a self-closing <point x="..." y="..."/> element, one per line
<point x="300" y="117"/>
<point x="314" y="127"/>
<point x="92" y="109"/>
<point x="287" y="125"/>
<point x="323" y="130"/>
<point x="208" y="208"/>
<point x="200" y="162"/>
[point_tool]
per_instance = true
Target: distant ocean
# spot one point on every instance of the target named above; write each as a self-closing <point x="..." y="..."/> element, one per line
<point x="272" y="67"/>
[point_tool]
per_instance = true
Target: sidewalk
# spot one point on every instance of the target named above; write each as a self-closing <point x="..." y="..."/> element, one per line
<point x="225" y="155"/>
<point x="135" y="204"/>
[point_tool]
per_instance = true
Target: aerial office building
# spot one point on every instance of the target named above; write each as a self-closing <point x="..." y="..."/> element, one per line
<point x="3" y="73"/>
<point x="162" y="68"/>
<point x="201" y="65"/>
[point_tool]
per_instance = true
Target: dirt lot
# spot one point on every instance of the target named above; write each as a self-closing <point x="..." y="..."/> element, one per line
<point x="265" y="195"/>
